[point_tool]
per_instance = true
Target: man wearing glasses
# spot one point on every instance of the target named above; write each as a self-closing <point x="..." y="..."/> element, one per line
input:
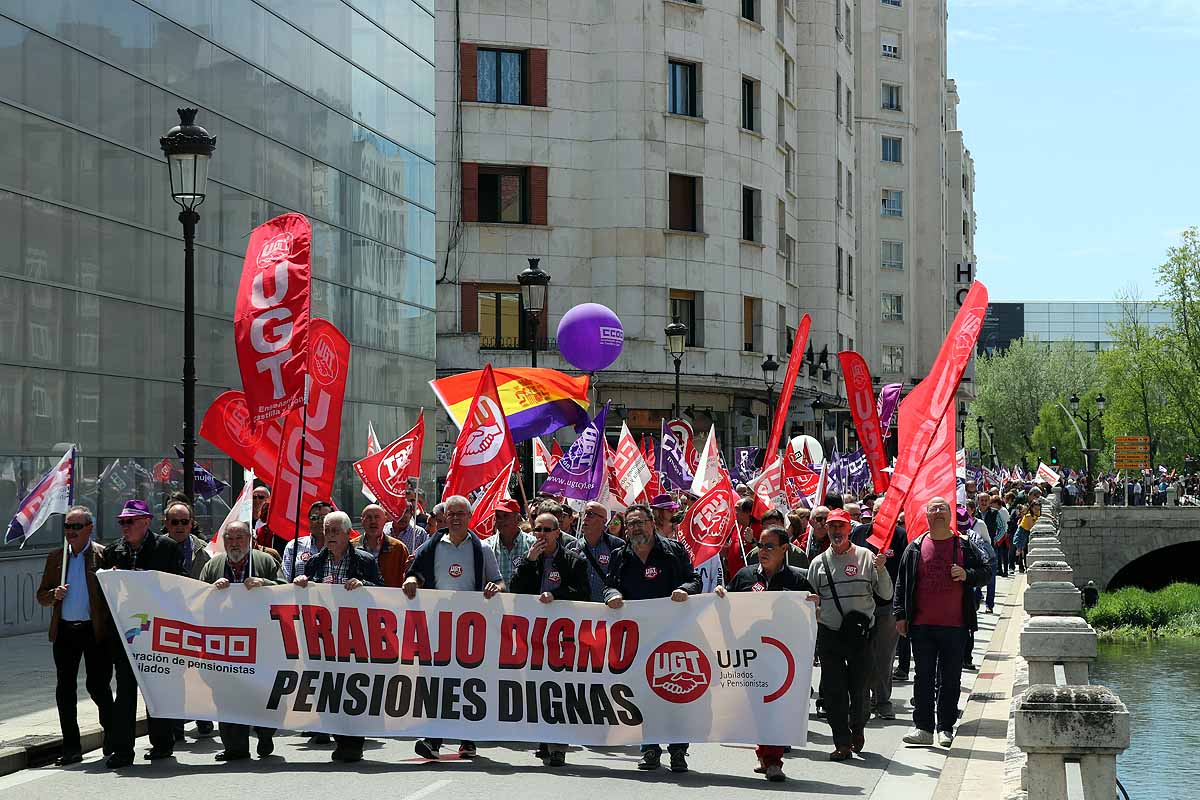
<point x="453" y="559"/>
<point x="78" y="629"/>
<point x="299" y="551"/>
<point x="648" y="567"/>
<point x="596" y="547"/>
<point x="139" y="549"/>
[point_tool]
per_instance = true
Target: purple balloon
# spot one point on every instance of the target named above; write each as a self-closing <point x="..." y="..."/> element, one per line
<point x="590" y="337"/>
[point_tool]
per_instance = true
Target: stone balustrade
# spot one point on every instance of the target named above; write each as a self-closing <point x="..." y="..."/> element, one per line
<point x="1069" y="721"/>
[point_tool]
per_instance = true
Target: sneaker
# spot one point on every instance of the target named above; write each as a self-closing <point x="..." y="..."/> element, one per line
<point x="679" y="762"/>
<point x="426" y="750"/>
<point x="775" y="773"/>
<point x="466" y="750"/>
<point x="945" y="738"/>
<point x="918" y="736"/>
<point x="651" y="759"/>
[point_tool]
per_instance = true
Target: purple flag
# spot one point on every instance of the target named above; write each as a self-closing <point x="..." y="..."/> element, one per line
<point x="207" y="485"/>
<point x="579" y="474"/>
<point x="889" y="399"/>
<point x="858" y="471"/>
<point x="671" y="462"/>
<point x="743" y="463"/>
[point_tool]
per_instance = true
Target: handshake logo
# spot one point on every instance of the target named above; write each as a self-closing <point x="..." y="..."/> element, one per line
<point x="678" y="672"/>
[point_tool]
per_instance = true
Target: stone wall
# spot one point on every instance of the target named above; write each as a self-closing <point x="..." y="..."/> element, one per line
<point x="19" y="579"/>
<point x="1099" y="542"/>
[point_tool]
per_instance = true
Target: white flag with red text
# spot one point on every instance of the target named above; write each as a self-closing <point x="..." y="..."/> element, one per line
<point x="633" y="476"/>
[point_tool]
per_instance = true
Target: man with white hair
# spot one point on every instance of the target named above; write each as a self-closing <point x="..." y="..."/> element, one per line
<point x="340" y="563"/>
<point x="453" y="559"/>
<point x="241" y="563"/>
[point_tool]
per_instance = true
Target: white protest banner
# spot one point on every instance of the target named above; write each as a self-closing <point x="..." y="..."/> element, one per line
<point x="370" y="662"/>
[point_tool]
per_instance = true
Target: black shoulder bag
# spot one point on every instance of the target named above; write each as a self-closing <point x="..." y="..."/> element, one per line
<point x="856" y="625"/>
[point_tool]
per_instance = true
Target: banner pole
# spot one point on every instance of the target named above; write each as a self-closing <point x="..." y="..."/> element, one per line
<point x="300" y="476"/>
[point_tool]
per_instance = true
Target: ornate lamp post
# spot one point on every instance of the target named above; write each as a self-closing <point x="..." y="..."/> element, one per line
<point x="1087" y="418"/>
<point x="769" y="369"/>
<point x="676" y="345"/>
<point x="188" y="149"/>
<point x="535" y="286"/>
<point x="979" y="423"/>
<point x="991" y="432"/>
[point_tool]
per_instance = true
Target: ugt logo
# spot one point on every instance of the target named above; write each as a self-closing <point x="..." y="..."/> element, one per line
<point x="678" y="672"/>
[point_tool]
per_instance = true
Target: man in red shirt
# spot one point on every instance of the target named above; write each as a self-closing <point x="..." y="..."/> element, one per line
<point x="934" y="607"/>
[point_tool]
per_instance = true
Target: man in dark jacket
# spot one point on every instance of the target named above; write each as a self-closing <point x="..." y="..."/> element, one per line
<point x="596" y="547"/>
<point x="771" y="573"/>
<point x="935" y="606"/>
<point x="882" y="643"/>
<point x="340" y="563"/>
<point x="647" y="567"/>
<point x="553" y="573"/>
<point x="139" y="549"/>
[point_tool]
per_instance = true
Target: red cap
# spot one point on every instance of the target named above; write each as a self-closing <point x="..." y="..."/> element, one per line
<point x="839" y="515"/>
<point x="511" y="506"/>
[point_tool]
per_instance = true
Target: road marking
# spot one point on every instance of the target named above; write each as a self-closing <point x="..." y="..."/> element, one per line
<point x="428" y="790"/>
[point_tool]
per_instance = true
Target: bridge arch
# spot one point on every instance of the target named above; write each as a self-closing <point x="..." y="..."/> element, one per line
<point x="1131" y="546"/>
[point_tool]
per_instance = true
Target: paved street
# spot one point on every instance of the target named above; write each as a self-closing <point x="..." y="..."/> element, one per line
<point x="889" y="770"/>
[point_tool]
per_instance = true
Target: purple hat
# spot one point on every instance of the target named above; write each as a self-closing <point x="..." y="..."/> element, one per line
<point x="135" y="508"/>
<point x="964" y="516"/>
<point x="664" y="501"/>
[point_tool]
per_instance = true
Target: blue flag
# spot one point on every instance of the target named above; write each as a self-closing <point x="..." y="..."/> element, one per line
<point x="208" y="485"/>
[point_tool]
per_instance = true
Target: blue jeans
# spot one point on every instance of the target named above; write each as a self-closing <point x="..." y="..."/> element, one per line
<point x="991" y="590"/>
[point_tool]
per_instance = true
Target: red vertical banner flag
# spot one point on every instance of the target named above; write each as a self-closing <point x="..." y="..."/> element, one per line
<point x="922" y="411"/>
<point x="789" y="385"/>
<point x="386" y="472"/>
<point x="226" y="425"/>
<point x="936" y="477"/>
<point x="485" y="445"/>
<point x="329" y="364"/>
<point x="706" y="524"/>
<point x="483" y="519"/>
<point x="654" y="488"/>
<point x="861" y="397"/>
<point x="769" y="490"/>
<point x="271" y="316"/>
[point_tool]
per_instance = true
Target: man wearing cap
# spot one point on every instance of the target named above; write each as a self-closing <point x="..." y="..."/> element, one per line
<point x="390" y="554"/>
<point x="848" y="579"/>
<point x="664" y="508"/>
<point x="241" y="563"/>
<point x="299" y="551"/>
<point x="509" y="542"/>
<point x="78" y="629"/>
<point x="139" y="549"/>
<point x="882" y="644"/>
<point x="596" y="547"/>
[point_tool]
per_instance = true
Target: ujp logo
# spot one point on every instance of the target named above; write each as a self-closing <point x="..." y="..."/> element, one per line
<point x="678" y="672"/>
<point x="488" y="437"/>
<point x="278" y="248"/>
<point x="324" y="360"/>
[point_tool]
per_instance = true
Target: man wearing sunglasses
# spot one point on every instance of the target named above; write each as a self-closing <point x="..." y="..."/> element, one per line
<point x="596" y="547"/>
<point x="299" y="551"/>
<point x="139" y="549"/>
<point x="553" y="573"/>
<point x="78" y="629"/>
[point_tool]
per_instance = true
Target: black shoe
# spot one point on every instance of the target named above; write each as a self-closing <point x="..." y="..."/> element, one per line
<point x="319" y="738"/>
<point x="651" y="759"/>
<point x="118" y="760"/>
<point x="179" y="737"/>
<point x="426" y="750"/>
<point x="900" y="674"/>
<point x="225" y="755"/>
<point x="204" y="728"/>
<point x="970" y="666"/>
<point x="155" y="754"/>
<point x="557" y="759"/>
<point x="66" y="759"/>
<point x="541" y="752"/>
<point x="347" y="756"/>
<point x="266" y="746"/>
<point x="679" y="762"/>
<point x="467" y="750"/>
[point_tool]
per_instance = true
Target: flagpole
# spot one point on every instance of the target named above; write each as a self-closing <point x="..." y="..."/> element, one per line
<point x="300" y="476"/>
<point x="70" y="502"/>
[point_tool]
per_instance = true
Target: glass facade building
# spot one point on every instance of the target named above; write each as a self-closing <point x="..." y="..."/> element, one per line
<point x="1086" y="322"/>
<point x="322" y="107"/>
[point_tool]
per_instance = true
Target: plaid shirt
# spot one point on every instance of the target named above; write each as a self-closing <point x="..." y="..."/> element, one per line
<point x="335" y="572"/>
<point x="507" y="559"/>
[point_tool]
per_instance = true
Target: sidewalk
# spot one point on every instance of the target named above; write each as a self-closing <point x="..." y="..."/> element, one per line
<point x="29" y="732"/>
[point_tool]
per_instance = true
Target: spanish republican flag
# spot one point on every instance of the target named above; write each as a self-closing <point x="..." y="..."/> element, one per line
<point x="536" y="402"/>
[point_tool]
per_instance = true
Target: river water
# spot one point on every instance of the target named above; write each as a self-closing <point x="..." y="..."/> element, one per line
<point x="1160" y="684"/>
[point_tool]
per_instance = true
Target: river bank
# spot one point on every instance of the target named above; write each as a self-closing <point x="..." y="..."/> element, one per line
<point x="1133" y="614"/>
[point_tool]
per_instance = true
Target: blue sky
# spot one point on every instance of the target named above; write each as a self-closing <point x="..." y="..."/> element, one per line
<point x="1083" y="118"/>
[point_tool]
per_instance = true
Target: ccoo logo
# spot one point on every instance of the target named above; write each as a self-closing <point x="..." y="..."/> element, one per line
<point x="678" y="672"/>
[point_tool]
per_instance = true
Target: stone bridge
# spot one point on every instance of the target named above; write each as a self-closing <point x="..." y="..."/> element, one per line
<point x="1145" y="546"/>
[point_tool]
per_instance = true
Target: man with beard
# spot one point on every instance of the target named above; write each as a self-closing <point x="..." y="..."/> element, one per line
<point x="664" y="508"/>
<point x="240" y="563"/>
<point x="649" y="566"/>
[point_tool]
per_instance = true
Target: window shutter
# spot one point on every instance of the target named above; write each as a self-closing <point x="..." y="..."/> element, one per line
<point x="538" y="186"/>
<point x="537" y="60"/>
<point x="470" y="307"/>
<point x="470" y="192"/>
<point x="468" y="72"/>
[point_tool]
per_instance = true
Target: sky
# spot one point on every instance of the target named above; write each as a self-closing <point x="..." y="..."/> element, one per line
<point x="1083" y="117"/>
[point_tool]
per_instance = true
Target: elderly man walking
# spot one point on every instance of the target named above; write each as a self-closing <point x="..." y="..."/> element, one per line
<point x="79" y="629"/>
<point x="241" y="563"/>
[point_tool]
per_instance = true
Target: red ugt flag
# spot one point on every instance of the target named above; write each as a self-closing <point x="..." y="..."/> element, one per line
<point x="387" y="471"/>
<point x="484" y="446"/>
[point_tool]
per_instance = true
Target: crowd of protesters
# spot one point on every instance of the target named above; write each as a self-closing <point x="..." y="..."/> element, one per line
<point x="882" y="612"/>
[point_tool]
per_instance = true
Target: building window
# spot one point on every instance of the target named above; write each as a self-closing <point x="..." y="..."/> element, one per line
<point x="893" y="358"/>
<point x="780" y="120"/>
<point x="781" y="329"/>
<point x="838" y="266"/>
<point x="849" y="28"/>
<point x="684" y="307"/>
<point x="892" y="97"/>
<point x="838" y="195"/>
<point x="849" y="108"/>
<point x="837" y="97"/>
<point x="682" y="89"/>
<point x="789" y="168"/>
<point x="752" y="339"/>
<point x="789" y="260"/>
<point x="893" y="3"/>
<point x="893" y="149"/>
<point x="849" y="192"/>
<point x="789" y="73"/>
<point x="751" y="213"/>
<point x="893" y="203"/>
<point x="889" y="44"/>
<point x="750" y="120"/>
<point x="501" y="76"/>
<point x="684" y="200"/>
<point x="849" y="275"/>
<point x="837" y="22"/>
<point x="501" y="321"/>
<point x="503" y="193"/>
<point x="891" y="254"/>
<point x="750" y="10"/>
<point x="893" y="307"/>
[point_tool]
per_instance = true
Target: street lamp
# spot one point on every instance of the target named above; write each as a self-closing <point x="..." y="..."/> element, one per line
<point x="769" y="367"/>
<point x="535" y="285"/>
<point x="991" y="432"/>
<point x="979" y="436"/>
<point x="1087" y="418"/>
<point x="188" y="149"/>
<point x="676" y="345"/>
